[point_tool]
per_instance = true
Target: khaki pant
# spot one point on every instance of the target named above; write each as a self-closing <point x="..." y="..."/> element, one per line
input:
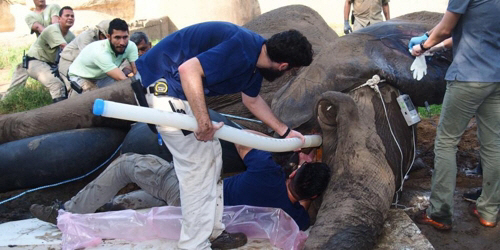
<point x="462" y="101"/>
<point x="154" y="175"/>
<point x="198" y="167"/>
<point x="358" y="25"/>
<point x="63" y="71"/>
<point x="40" y="71"/>
<point x="90" y="84"/>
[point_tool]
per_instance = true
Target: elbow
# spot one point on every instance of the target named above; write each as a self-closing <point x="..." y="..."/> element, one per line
<point x="446" y="33"/>
<point x="184" y="69"/>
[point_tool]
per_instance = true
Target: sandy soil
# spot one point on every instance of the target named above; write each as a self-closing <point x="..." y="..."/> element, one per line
<point x="467" y="233"/>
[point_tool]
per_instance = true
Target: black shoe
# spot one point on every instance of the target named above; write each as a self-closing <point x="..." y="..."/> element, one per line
<point x="229" y="240"/>
<point x="58" y="99"/>
<point x="472" y="196"/>
<point x="46" y="213"/>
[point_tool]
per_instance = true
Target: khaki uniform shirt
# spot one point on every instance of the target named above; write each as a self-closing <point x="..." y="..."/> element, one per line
<point x="46" y="45"/>
<point x="368" y="12"/>
<point x="72" y="50"/>
<point x="44" y="17"/>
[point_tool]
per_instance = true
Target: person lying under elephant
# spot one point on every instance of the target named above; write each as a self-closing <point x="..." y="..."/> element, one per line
<point x="264" y="184"/>
<point x="41" y="60"/>
<point x="213" y="59"/>
<point x="97" y="64"/>
<point x="72" y="50"/>
<point x="473" y="89"/>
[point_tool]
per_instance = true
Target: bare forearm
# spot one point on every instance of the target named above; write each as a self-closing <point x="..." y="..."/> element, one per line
<point x="448" y="43"/>
<point x="134" y="68"/>
<point x="262" y="111"/>
<point x="37" y="28"/>
<point x="191" y="80"/>
<point x="347" y="9"/>
<point x="196" y="98"/>
<point x="386" y="10"/>
<point x="443" y="30"/>
<point x="116" y="74"/>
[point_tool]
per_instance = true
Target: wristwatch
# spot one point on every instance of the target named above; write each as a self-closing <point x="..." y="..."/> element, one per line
<point x="422" y="46"/>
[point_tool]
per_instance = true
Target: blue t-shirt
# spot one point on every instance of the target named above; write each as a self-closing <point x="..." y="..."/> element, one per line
<point x="228" y="55"/>
<point x="476" y="41"/>
<point x="263" y="184"/>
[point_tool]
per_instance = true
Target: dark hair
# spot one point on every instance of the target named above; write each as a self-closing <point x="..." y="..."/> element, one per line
<point x="117" y="24"/>
<point x="61" y="11"/>
<point x="311" y="179"/>
<point x="139" y="36"/>
<point x="291" y="47"/>
<point x="287" y="160"/>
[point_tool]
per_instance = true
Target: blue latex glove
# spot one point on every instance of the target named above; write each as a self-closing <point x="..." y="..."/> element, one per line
<point x="347" y="27"/>
<point x="417" y="40"/>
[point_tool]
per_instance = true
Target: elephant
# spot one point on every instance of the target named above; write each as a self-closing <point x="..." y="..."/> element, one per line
<point x="366" y="140"/>
<point x="77" y="112"/>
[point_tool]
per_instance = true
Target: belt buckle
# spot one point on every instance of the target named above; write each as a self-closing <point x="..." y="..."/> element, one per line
<point x="161" y="87"/>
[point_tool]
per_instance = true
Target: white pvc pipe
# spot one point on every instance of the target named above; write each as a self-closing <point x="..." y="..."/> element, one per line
<point x="182" y="121"/>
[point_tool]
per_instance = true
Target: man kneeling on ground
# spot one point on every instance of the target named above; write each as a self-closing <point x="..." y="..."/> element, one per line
<point x="97" y="64"/>
<point x="264" y="184"/>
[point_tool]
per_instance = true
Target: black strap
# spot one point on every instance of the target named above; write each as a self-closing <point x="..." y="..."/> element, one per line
<point x="141" y="98"/>
<point x="286" y="133"/>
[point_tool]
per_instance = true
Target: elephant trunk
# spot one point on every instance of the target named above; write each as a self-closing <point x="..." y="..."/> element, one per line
<point x="362" y="185"/>
<point x="69" y="114"/>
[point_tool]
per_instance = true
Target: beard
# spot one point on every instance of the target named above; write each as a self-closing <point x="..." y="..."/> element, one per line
<point x="271" y="74"/>
<point x="117" y="52"/>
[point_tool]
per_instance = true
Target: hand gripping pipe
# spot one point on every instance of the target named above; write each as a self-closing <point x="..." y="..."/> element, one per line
<point x="182" y="121"/>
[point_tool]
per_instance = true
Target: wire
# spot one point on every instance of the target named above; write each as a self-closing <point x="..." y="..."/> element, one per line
<point x="62" y="182"/>
<point x="372" y="83"/>
<point x="393" y="136"/>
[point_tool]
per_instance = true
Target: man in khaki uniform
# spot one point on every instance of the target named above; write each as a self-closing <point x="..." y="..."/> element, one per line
<point x="42" y="56"/>
<point x="98" y="63"/>
<point x="365" y="13"/>
<point x="71" y="51"/>
<point x="43" y="16"/>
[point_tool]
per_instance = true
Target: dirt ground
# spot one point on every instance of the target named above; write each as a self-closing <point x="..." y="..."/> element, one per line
<point x="467" y="233"/>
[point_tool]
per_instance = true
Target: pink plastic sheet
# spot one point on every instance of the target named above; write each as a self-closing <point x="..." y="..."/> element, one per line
<point x="86" y="230"/>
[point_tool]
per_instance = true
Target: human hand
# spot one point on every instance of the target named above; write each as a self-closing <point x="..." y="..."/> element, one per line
<point x="416" y="50"/>
<point x="347" y="27"/>
<point x="296" y="134"/>
<point x="417" y="40"/>
<point x="206" y="132"/>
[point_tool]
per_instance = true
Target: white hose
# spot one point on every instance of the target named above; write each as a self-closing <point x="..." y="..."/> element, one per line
<point x="182" y="121"/>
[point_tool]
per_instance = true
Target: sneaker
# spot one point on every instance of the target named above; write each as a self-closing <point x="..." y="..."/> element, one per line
<point x="46" y="213"/>
<point x="229" y="240"/>
<point x="473" y="211"/>
<point x="472" y="196"/>
<point x="422" y="218"/>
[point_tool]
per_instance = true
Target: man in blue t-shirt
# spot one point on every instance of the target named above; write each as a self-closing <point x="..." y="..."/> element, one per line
<point x="209" y="59"/>
<point x="473" y="89"/>
<point x="263" y="184"/>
